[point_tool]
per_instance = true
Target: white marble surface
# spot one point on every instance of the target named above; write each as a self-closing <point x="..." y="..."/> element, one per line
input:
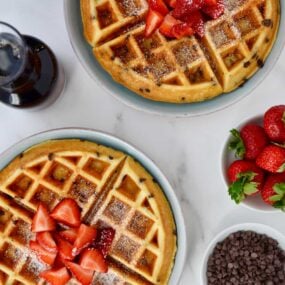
<point x="188" y="150"/>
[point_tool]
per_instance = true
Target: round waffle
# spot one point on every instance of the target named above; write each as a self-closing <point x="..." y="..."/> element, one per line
<point x="112" y="189"/>
<point x="235" y="46"/>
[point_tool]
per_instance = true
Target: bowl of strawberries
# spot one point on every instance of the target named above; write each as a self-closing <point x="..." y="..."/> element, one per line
<point x="253" y="162"/>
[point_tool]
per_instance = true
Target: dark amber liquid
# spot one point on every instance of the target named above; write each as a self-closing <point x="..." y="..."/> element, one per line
<point x="35" y="85"/>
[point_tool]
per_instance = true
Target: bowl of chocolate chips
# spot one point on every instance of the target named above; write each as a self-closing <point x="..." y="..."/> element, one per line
<point x="245" y="254"/>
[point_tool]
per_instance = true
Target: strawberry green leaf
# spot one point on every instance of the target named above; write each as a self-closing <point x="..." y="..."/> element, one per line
<point x="279" y="188"/>
<point x="250" y="188"/>
<point x="281" y="168"/>
<point x="243" y="186"/>
<point x="280" y="204"/>
<point x="236" y="144"/>
<point x="236" y="191"/>
<point x="275" y="198"/>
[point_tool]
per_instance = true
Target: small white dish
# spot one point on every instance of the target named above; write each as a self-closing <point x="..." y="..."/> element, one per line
<point x="253" y="202"/>
<point x="116" y="143"/>
<point x="259" y="228"/>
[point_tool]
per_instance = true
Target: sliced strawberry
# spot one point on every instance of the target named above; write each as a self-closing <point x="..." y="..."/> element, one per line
<point x="42" y="221"/>
<point x="84" y="276"/>
<point x="44" y="255"/>
<point x="168" y="23"/>
<point x="104" y="240"/>
<point x="158" y="6"/>
<point x="59" y="262"/>
<point x="67" y="212"/>
<point x="93" y="259"/>
<point x="153" y="21"/>
<point x="171" y="3"/>
<point x="56" y="276"/>
<point x="196" y="21"/>
<point x="86" y="235"/>
<point x="70" y="234"/>
<point x="46" y="240"/>
<point x="64" y="248"/>
<point x="182" y="30"/>
<point x="215" y="11"/>
<point x="186" y="7"/>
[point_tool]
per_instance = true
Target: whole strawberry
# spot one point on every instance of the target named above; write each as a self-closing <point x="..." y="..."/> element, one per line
<point x="272" y="159"/>
<point x="249" y="142"/>
<point x="246" y="179"/>
<point x="273" y="192"/>
<point x="274" y="123"/>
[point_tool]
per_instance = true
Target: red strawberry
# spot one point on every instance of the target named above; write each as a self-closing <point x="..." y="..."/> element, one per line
<point x="168" y="23"/>
<point x="210" y="2"/>
<point x="249" y="142"/>
<point x="153" y="21"/>
<point x="64" y="248"/>
<point x="86" y="235"/>
<point x="172" y="3"/>
<point x="196" y="21"/>
<point x="158" y="6"/>
<point x="42" y="221"/>
<point x="182" y="30"/>
<point x="46" y="240"/>
<point x="246" y="179"/>
<point x="272" y="159"/>
<point x="215" y="11"/>
<point x="273" y="192"/>
<point x="274" y="123"/>
<point x="104" y="240"/>
<point x="67" y="212"/>
<point x="84" y="276"/>
<point x="56" y="276"/>
<point x="186" y="7"/>
<point x="69" y="235"/>
<point x="44" y="255"/>
<point x="93" y="259"/>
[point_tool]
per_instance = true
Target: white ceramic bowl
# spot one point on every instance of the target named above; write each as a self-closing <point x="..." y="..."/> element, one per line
<point x="259" y="228"/>
<point x="253" y="202"/>
<point x="85" y="55"/>
<point x="116" y="143"/>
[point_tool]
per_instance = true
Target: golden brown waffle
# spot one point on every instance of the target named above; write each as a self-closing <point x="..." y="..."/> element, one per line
<point x="187" y="70"/>
<point x="112" y="189"/>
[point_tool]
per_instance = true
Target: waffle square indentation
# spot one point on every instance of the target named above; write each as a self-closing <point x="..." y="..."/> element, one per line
<point x="116" y="210"/>
<point x="21" y="185"/>
<point x="222" y="34"/>
<point x="140" y="225"/>
<point x="82" y="189"/>
<point x="21" y="232"/>
<point x="125" y="248"/>
<point x="147" y="262"/>
<point x="10" y="256"/>
<point x="5" y="217"/>
<point x="129" y="188"/>
<point x="58" y="174"/>
<point x="45" y="196"/>
<point x="96" y="167"/>
<point x="105" y="15"/>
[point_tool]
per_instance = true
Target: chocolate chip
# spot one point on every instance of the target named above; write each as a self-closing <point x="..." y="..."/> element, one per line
<point x="111" y="157"/>
<point x="246" y="64"/>
<point x="142" y="180"/>
<point x="147" y="90"/>
<point x="246" y="257"/>
<point x="50" y="156"/>
<point x="260" y="63"/>
<point x="267" y="23"/>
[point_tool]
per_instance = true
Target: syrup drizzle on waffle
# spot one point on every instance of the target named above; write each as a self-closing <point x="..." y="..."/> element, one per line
<point x="185" y="70"/>
<point x="111" y="188"/>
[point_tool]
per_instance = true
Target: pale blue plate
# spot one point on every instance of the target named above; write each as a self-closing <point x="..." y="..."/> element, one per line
<point x="84" y="53"/>
<point x="111" y="141"/>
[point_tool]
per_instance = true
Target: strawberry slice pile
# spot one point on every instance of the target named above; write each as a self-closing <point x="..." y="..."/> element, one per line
<point x="261" y="164"/>
<point x="68" y="246"/>
<point x="180" y="18"/>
